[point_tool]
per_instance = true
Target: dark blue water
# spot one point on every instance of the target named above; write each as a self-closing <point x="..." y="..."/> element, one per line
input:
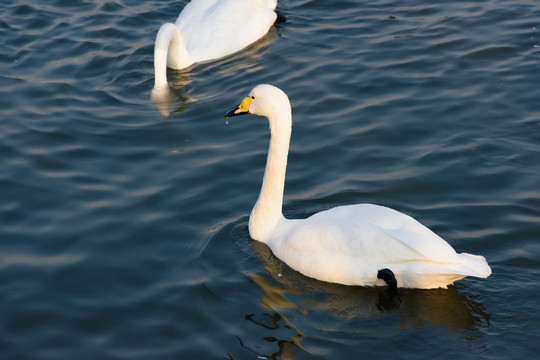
<point x="123" y="233"/>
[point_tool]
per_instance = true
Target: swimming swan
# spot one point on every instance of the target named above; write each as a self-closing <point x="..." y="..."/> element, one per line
<point x="363" y="244"/>
<point x="210" y="29"/>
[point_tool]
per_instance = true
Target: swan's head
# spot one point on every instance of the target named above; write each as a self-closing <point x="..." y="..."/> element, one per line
<point x="265" y="100"/>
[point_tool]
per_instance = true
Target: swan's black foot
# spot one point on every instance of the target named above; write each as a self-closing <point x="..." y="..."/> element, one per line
<point x="388" y="276"/>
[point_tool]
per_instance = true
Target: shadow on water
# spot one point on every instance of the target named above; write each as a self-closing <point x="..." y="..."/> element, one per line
<point x="285" y="291"/>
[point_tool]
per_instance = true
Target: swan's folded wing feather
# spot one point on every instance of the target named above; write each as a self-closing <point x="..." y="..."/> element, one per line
<point x="222" y="28"/>
<point x="403" y="227"/>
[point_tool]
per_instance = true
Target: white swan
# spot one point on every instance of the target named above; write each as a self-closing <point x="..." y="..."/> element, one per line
<point x="210" y="29"/>
<point x="361" y="244"/>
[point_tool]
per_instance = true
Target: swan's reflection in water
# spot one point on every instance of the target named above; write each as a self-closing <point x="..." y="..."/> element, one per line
<point x="174" y="98"/>
<point x="275" y="301"/>
<point x="287" y="291"/>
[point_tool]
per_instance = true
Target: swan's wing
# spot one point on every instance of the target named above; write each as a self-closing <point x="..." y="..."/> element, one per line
<point x="400" y="227"/>
<point x="195" y="8"/>
<point x="340" y="237"/>
<point x="198" y="7"/>
<point x="215" y="29"/>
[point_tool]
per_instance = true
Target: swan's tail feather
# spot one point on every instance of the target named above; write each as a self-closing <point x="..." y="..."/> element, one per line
<point x="432" y="275"/>
<point x="474" y="265"/>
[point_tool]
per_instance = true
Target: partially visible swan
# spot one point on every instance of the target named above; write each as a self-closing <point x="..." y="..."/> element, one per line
<point x="210" y="29"/>
<point x="362" y="244"/>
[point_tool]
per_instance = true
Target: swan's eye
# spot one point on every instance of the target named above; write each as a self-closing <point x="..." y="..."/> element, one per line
<point x="252" y="97"/>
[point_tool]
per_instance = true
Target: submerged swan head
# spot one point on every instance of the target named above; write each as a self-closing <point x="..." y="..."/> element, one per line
<point x="169" y="51"/>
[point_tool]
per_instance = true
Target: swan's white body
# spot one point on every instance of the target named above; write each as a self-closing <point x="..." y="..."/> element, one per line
<point x="210" y="29"/>
<point x="346" y="244"/>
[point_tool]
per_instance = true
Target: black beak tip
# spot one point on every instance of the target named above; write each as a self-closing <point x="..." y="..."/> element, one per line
<point x="231" y="113"/>
<point x="234" y="113"/>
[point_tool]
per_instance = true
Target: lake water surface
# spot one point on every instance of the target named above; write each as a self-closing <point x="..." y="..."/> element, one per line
<point x="123" y="232"/>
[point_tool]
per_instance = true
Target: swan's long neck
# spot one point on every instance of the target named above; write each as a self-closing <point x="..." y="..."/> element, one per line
<point x="268" y="209"/>
<point x="169" y="50"/>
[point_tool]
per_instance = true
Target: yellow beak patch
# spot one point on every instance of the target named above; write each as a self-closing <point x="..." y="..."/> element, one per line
<point x="241" y="109"/>
<point x="244" y="106"/>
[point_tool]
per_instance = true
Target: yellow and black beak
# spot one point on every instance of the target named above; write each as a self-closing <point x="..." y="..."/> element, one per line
<point x="241" y="109"/>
